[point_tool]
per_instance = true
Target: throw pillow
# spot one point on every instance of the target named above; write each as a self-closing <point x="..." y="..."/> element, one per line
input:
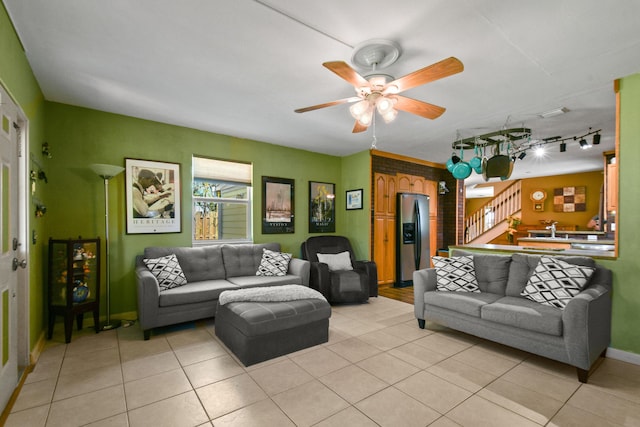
<point x="337" y="262"/>
<point x="554" y="282"/>
<point x="273" y="263"/>
<point x="167" y="270"/>
<point x="455" y="274"/>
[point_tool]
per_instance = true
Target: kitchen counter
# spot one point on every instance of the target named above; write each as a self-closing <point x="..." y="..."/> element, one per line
<point x="534" y="233"/>
<point x="538" y="250"/>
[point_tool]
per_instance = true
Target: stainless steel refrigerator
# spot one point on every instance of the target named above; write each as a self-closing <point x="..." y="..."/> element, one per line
<point x="412" y="242"/>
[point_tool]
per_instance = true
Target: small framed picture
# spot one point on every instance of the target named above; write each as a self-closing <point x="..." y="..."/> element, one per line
<point x="354" y="199"/>
<point x="153" y="197"/>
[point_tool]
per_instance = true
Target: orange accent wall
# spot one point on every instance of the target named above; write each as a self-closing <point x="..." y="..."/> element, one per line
<point x="592" y="180"/>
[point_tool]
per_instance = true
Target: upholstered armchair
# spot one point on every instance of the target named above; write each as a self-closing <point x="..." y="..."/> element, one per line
<point x="336" y="273"/>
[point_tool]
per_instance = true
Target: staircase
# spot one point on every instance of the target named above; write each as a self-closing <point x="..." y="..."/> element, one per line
<point x="489" y="221"/>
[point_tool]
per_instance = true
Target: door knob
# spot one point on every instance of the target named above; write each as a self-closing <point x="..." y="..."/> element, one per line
<point x="17" y="264"/>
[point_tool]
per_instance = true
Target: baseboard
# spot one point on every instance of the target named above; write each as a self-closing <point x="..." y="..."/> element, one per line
<point x="35" y="353"/>
<point x="623" y="356"/>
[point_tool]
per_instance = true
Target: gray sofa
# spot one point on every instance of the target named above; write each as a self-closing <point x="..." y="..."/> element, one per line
<point x="576" y="335"/>
<point x="209" y="270"/>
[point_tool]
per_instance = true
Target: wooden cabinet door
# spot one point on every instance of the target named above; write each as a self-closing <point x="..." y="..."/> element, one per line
<point x="411" y="183"/>
<point x="404" y="183"/>
<point x="419" y="185"/>
<point x="384" y="248"/>
<point x="385" y="194"/>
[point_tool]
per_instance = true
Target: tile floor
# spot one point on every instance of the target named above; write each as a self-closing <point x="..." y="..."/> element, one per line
<point x="378" y="368"/>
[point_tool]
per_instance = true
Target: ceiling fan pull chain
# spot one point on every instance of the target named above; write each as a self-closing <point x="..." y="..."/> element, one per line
<point x="374" y="142"/>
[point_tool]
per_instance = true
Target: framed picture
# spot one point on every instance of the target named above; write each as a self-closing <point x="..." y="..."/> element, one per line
<point x="153" y="197"/>
<point x="322" y="207"/>
<point x="277" y="205"/>
<point x="354" y="199"/>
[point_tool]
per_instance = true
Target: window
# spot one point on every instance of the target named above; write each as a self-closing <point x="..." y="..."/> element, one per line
<point x="222" y="201"/>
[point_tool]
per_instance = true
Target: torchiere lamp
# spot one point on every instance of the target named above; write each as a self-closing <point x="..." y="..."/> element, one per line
<point x="106" y="172"/>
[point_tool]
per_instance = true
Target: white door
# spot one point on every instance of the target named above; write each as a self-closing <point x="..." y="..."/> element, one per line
<point x="9" y="248"/>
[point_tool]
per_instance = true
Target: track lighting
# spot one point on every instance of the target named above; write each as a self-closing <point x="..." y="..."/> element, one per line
<point x="584" y="144"/>
<point x="563" y="147"/>
<point x="596" y="139"/>
<point x="522" y="155"/>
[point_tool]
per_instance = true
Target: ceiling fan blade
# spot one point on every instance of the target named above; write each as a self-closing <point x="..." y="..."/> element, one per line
<point x="439" y="70"/>
<point x="359" y="127"/>
<point x="328" y="104"/>
<point x="343" y="70"/>
<point x="420" y="108"/>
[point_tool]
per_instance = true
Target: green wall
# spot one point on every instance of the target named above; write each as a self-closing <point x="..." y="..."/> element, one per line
<point x="80" y="136"/>
<point x="18" y="79"/>
<point x="626" y="269"/>
<point x="356" y="172"/>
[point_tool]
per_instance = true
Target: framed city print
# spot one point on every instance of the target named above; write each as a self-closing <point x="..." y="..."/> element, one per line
<point x="322" y="207"/>
<point x="277" y="205"/>
<point x="153" y="199"/>
<point x="354" y="199"/>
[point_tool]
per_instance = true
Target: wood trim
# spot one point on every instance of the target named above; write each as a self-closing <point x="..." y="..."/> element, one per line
<point x="616" y="86"/>
<point x="407" y="159"/>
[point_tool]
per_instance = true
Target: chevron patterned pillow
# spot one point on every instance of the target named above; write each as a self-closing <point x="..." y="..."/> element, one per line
<point x="273" y="263"/>
<point x="555" y="282"/>
<point x="167" y="270"/>
<point x="456" y="274"/>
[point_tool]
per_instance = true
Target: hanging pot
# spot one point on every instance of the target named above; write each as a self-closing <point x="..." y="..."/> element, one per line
<point x="462" y="169"/>
<point x="452" y="162"/>
<point x="476" y="162"/>
<point x="499" y="166"/>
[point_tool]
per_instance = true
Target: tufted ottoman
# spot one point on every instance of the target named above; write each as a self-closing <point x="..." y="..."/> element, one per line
<point x="270" y="322"/>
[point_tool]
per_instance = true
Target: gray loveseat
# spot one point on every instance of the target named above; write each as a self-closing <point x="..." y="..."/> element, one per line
<point x="576" y="335"/>
<point x="209" y="270"/>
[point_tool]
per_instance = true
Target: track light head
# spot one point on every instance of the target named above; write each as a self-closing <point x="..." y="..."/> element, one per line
<point x="596" y="139"/>
<point x="563" y="147"/>
<point x="522" y="155"/>
<point x="584" y="144"/>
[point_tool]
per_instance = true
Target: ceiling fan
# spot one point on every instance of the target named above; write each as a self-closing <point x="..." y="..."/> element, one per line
<point x="376" y="91"/>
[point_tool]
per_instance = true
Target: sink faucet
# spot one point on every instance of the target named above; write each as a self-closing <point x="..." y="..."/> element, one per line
<point x="552" y="227"/>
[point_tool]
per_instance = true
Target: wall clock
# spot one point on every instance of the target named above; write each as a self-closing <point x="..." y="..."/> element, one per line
<point x="538" y="196"/>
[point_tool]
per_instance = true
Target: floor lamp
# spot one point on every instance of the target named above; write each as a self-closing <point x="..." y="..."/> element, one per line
<point x="106" y="172"/>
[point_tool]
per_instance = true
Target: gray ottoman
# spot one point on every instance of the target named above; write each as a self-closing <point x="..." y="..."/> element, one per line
<point x="257" y="331"/>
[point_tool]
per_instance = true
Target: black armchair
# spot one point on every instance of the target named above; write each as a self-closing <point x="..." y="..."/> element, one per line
<point x="339" y="285"/>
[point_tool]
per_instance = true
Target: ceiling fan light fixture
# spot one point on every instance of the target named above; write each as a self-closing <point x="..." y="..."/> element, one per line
<point x="384" y="105"/>
<point x="359" y="108"/>
<point x="366" y="118"/>
<point x="390" y="115"/>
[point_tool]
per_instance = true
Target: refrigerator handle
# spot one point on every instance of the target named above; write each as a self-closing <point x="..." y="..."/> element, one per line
<point x="417" y="248"/>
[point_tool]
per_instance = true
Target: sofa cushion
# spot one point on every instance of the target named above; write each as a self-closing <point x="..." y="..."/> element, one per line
<point x="463" y="302"/>
<point x="455" y="274"/>
<point x="336" y="262"/>
<point x="200" y="263"/>
<point x="554" y="282"/>
<point x="205" y="290"/>
<point x="253" y="280"/>
<point x="522" y="266"/>
<point x="524" y="314"/>
<point x="273" y="263"/>
<point x="244" y="260"/>
<point x="492" y="272"/>
<point x="167" y="270"/>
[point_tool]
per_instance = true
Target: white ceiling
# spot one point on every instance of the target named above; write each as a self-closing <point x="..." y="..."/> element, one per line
<point x="241" y="67"/>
